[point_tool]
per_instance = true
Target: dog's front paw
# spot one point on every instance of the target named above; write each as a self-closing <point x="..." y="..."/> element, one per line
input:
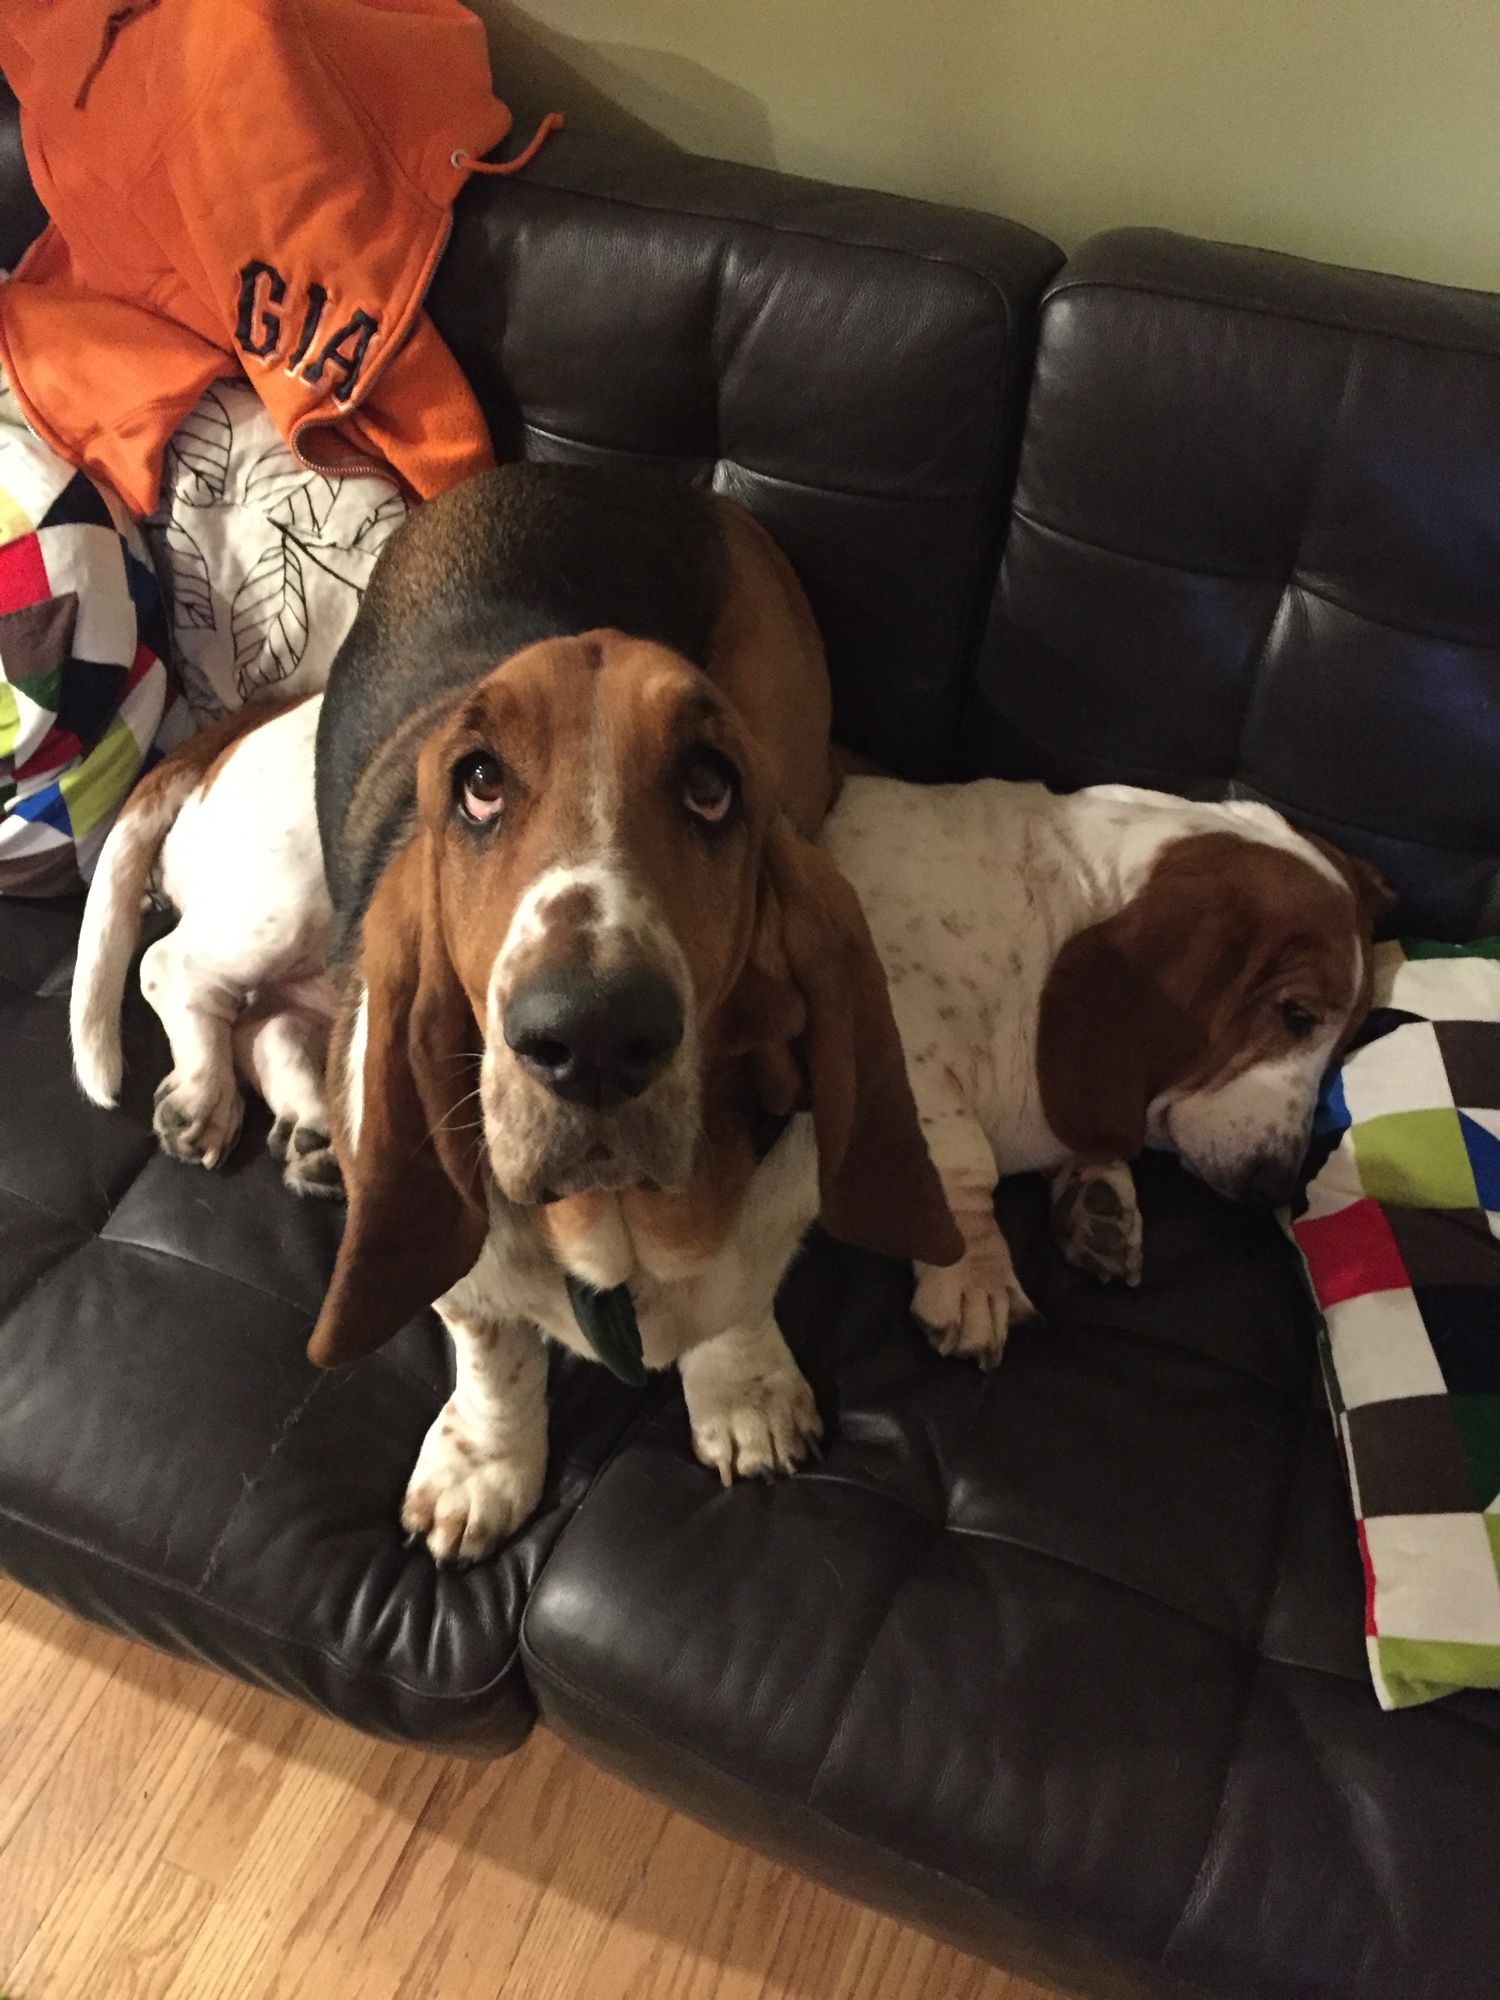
<point x="969" y="1308"/>
<point x="764" y="1425"/>
<point x="1096" y="1221"/>
<point x="465" y="1497"/>
<point x="310" y="1167"/>
<point x="198" y="1118"/>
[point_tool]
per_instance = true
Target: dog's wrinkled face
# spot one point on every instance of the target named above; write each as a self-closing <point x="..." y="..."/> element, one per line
<point x="599" y="954"/>
<point x="1295" y="955"/>
<point x="598" y="827"/>
<point x="1203" y="1016"/>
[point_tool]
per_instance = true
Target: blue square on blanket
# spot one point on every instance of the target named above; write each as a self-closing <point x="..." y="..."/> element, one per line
<point x="1332" y="1115"/>
<point x="1483" y="1149"/>
<point x="47" y="807"/>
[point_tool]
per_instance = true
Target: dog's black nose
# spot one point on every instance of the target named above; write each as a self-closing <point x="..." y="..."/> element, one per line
<point x="594" y="1039"/>
<point x="1269" y="1180"/>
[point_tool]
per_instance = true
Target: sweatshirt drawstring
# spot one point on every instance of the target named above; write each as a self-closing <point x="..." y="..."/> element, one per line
<point x="553" y="122"/>
<point x="120" y="18"/>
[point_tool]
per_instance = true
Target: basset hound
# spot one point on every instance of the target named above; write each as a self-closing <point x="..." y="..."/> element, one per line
<point x="611" y="1030"/>
<point x="1077" y="978"/>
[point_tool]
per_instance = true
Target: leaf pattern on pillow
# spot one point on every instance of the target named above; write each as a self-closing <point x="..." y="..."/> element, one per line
<point x="268" y="621"/>
<point x="264" y="560"/>
<point x="183" y="573"/>
<point x="198" y="455"/>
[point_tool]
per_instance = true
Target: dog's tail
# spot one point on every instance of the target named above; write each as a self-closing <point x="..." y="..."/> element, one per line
<point x="112" y="922"/>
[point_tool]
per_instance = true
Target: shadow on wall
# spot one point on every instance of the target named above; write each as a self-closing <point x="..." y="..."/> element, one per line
<point x="629" y="91"/>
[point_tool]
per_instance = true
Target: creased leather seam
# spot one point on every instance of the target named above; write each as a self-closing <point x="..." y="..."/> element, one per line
<point x="248" y="1486"/>
<point x="1261" y="579"/>
<point x="1062" y="284"/>
<point x="920" y="1556"/>
<point x="292" y="1642"/>
<point x="1318" y="481"/>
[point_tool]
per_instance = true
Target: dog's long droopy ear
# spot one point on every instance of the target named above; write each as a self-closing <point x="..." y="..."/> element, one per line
<point x="417" y="1215"/>
<point x="1096" y="1035"/>
<point x="880" y="1190"/>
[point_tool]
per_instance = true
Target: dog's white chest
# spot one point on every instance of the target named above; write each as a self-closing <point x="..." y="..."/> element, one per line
<point x="517" y="1277"/>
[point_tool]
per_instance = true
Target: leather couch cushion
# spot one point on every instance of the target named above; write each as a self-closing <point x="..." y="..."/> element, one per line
<point x="1066" y="1658"/>
<point x="851" y="367"/>
<point x="1256" y="552"/>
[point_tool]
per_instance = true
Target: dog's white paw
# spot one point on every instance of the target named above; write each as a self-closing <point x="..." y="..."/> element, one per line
<point x="198" y="1118"/>
<point x="307" y="1152"/>
<point x="1096" y="1221"/>
<point x="464" y="1497"/>
<point x="764" y="1425"/>
<point x="969" y="1308"/>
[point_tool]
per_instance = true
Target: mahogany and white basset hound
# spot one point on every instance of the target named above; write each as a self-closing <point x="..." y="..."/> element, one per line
<point x="1076" y="978"/>
<point x="609" y="1033"/>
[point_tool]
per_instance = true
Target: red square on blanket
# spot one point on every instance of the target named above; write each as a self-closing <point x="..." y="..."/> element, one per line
<point x="1351" y="1252"/>
<point x="59" y="747"/>
<point x="23" y="574"/>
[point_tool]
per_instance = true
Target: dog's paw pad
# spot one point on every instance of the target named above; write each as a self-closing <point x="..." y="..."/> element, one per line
<point x="763" y="1427"/>
<point x="969" y="1308"/>
<point x="198" y="1120"/>
<point x="1097" y="1223"/>
<point x="311" y="1167"/>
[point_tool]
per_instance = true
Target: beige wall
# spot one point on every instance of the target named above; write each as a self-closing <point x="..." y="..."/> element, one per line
<point x="1367" y="131"/>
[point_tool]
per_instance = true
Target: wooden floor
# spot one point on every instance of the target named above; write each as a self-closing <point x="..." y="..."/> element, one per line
<point x="166" y="1834"/>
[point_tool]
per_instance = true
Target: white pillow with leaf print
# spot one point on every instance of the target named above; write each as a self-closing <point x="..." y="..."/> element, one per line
<point x="262" y="561"/>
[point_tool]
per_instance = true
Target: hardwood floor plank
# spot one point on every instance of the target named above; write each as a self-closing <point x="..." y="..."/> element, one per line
<point x="48" y="1685"/>
<point x="56" y="1839"/>
<point x="125" y="1843"/>
<point x="240" y="1955"/>
<point x="158" y="1924"/>
<point x="227" y="1801"/>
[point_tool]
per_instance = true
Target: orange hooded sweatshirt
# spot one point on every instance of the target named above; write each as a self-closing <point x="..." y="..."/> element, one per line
<point x="256" y="185"/>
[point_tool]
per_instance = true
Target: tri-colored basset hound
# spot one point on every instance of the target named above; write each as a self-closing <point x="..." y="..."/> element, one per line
<point x="1076" y="978"/>
<point x="610" y="1032"/>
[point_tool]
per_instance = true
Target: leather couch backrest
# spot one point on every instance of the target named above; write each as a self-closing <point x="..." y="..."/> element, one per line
<point x="1255" y="551"/>
<point x="851" y="367"/>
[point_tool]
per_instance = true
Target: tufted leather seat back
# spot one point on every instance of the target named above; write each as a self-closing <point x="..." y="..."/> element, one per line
<point x="849" y="367"/>
<point x="1255" y="551"/>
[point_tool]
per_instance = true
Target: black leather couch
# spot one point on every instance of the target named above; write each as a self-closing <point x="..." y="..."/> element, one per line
<point x="1064" y="1662"/>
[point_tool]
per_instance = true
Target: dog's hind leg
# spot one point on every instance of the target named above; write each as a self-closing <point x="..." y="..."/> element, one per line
<point x="283" y="1051"/>
<point x="198" y="1104"/>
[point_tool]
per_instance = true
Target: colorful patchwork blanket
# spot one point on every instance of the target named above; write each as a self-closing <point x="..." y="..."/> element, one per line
<point x="84" y="696"/>
<point x="1400" y="1234"/>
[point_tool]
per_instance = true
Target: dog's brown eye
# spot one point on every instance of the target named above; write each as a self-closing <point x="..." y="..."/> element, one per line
<point x="1296" y="1019"/>
<point x="708" y="787"/>
<point x="479" y="786"/>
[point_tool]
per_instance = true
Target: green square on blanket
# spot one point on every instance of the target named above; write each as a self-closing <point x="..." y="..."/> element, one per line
<point x="1399" y="1229"/>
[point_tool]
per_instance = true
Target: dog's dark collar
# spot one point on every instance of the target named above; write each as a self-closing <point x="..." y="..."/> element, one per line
<point x="608" y="1323"/>
<point x="607" y="1320"/>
